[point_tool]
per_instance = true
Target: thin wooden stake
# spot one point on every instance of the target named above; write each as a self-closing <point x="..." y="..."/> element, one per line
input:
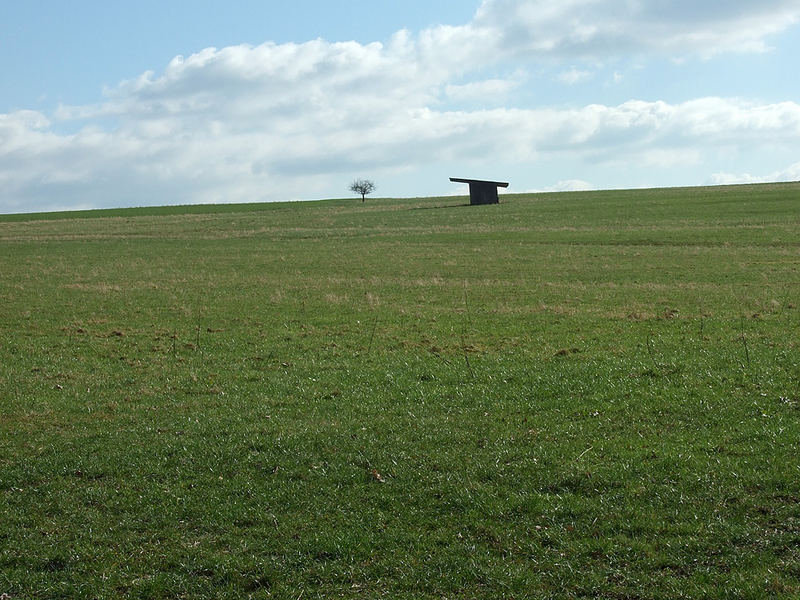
<point x="744" y="341"/>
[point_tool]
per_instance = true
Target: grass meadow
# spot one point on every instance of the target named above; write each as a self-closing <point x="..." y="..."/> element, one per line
<point x="574" y="395"/>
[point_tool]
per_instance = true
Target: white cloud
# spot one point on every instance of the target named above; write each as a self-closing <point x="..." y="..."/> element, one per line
<point x="488" y="90"/>
<point x="589" y="28"/>
<point x="201" y="143"/>
<point x="573" y="76"/>
<point x="791" y="173"/>
<point x="568" y="185"/>
<point x="730" y="178"/>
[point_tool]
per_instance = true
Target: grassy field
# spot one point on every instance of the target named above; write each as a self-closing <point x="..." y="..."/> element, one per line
<point x="578" y="395"/>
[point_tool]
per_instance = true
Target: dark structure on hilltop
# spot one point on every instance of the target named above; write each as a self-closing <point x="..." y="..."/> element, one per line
<point x="482" y="192"/>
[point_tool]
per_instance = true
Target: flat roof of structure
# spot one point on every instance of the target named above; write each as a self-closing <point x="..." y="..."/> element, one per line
<point x="503" y="184"/>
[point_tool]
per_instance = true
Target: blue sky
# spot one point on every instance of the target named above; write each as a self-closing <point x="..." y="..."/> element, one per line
<point x="151" y="103"/>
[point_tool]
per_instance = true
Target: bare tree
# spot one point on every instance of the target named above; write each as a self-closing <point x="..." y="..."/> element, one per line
<point x="363" y="187"/>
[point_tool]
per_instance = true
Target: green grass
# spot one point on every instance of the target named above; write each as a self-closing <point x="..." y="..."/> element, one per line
<point x="561" y="396"/>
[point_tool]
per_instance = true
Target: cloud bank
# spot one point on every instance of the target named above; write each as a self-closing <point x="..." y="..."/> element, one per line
<point x="284" y="121"/>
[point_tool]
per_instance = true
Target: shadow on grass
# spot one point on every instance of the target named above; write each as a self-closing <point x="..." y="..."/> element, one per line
<point x="439" y="206"/>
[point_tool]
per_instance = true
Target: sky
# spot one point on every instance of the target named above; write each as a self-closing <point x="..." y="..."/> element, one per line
<point x="106" y="104"/>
